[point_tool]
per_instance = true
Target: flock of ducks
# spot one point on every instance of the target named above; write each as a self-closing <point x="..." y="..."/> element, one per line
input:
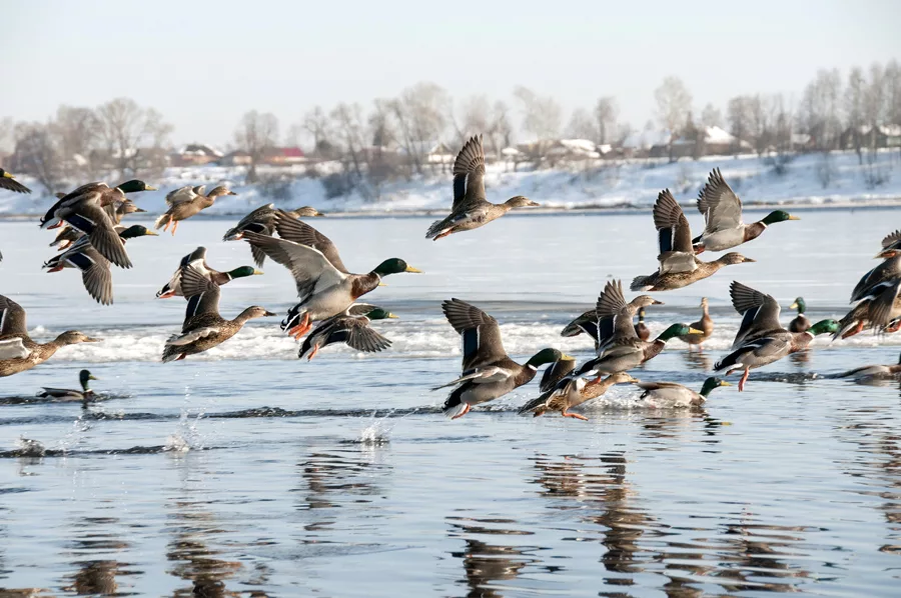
<point x="92" y="239"/>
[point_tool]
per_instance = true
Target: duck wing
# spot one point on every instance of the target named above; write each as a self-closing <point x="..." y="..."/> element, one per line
<point x="882" y="307"/>
<point x="892" y="240"/>
<point x="759" y="311"/>
<point x="87" y="216"/>
<point x="357" y="334"/>
<point x="469" y="174"/>
<point x="482" y="344"/>
<point x="13" y="185"/>
<point x="673" y="235"/>
<point x="95" y="272"/>
<point x="12" y="317"/>
<point x="612" y="304"/>
<point x="311" y="269"/>
<point x="69" y="198"/>
<point x="183" y="195"/>
<point x="300" y="232"/>
<point x="719" y="204"/>
<point x="202" y="293"/>
<point x="256" y="221"/>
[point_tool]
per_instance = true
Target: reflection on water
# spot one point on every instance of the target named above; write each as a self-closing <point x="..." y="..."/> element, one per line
<point x="698" y="360"/>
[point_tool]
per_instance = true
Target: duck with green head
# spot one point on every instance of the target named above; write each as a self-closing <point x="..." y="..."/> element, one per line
<point x="627" y="354"/>
<point x="721" y="209"/>
<point x="488" y="372"/>
<point x="351" y="328"/>
<point x="197" y="259"/>
<point x="800" y="323"/>
<point x="95" y="269"/>
<point x="672" y="395"/>
<point x="101" y="193"/>
<point x="85" y="394"/>
<point x="324" y="285"/>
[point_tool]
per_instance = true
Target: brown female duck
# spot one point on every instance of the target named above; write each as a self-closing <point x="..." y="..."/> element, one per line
<point x="186" y="202"/>
<point x="704" y="325"/>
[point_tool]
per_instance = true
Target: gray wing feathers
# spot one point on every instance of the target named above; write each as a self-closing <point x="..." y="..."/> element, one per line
<point x="720" y="205"/>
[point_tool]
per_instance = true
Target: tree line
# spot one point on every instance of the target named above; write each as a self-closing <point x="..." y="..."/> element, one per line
<point x="390" y="138"/>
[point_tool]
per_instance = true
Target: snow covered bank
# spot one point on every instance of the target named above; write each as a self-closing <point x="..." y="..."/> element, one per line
<point x="807" y="179"/>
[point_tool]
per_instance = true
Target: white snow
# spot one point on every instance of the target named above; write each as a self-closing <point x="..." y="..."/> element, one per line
<point x="589" y="183"/>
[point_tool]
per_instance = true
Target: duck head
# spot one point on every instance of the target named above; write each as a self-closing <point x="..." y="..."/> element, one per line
<point x="134" y="186"/>
<point x="824" y="326"/>
<point x="778" y="216"/>
<point x="677" y="330"/>
<point x="734" y="258"/>
<point x="394" y="265"/>
<point x="547" y="356"/>
<point x="74" y="337"/>
<point x="380" y="314"/>
<point x="799" y="304"/>
<point x="243" y="272"/>
<point x="520" y="202"/>
<point x="220" y="191"/>
<point x="84" y="376"/>
<point x="711" y="383"/>
<point x="136" y="230"/>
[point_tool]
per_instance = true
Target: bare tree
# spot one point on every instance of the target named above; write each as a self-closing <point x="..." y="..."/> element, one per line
<point x="673" y="103"/>
<point x="582" y="125"/>
<point x="892" y="81"/>
<point x="855" y="93"/>
<point x="317" y="123"/>
<point x="351" y="131"/>
<point x="420" y="115"/>
<point x="712" y="117"/>
<point x="542" y="118"/>
<point x="256" y="134"/>
<point x="873" y="103"/>
<point x="37" y="155"/>
<point x="499" y="133"/>
<point x="606" y="112"/>
<point x="819" y="110"/>
<point x="737" y="113"/>
<point x="78" y="131"/>
<point x="7" y="136"/>
<point x="133" y="136"/>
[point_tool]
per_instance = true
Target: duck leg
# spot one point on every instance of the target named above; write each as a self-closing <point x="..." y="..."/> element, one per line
<point x="174" y="227"/>
<point x="302" y="328"/>
<point x="466" y="409"/>
<point x="566" y="413"/>
<point x="856" y="330"/>
<point x="744" y="378"/>
<point x="442" y="235"/>
<point x="313" y="353"/>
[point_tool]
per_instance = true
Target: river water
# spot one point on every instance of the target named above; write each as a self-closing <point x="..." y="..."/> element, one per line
<point x="244" y="471"/>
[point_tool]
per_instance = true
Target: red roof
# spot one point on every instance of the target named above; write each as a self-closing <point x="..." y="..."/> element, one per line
<point x="289" y="152"/>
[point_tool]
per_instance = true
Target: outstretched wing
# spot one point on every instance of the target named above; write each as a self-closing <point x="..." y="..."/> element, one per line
<point x="358" y="335"/>
<point x="482" y="345"/>
<point x="182" y="195"/>
<point x="202" y="294"/>
<point x="892" y="240"/>
<point x="13" y="185"/>
<point x="673" y="235"/>
<point x="300" y="232"/>
<point x="12" y="317"/>
<point x="612" y="305"/>
<point x="720" y="205"/>
<point x="759" y="311"/>
<point x="310" y="268"/>
<point x="469" y="173"/>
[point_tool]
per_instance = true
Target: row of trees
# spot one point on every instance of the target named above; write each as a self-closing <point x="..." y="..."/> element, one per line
<point x="391" y="137"/>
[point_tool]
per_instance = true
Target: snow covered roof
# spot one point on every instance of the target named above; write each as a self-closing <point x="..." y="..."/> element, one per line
<point x="646" y="139"/>
<point x="510" y="151"/>
<point x="717" y="135"/>
<point x="199" y="149"/>
<point x="579" y="145"/>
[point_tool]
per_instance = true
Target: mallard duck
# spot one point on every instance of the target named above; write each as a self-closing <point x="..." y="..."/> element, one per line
<point x="641" y="329"/>
<point x="705" y="325"/>
<point x="351" y="328"/>
<point x="471" y="208"/>
<point x="882" y="275"/>
<point x="891" y="245"/>
<point x="85" y="394"/>
<point x="880" y="308"/>
<point x="872" y="371"/>
<point x="800" y="323"/>
<point x="324" y="285"/>
<point x="602" y="327"/>
<point x="262" y="221"/>
<point x="678" y="265"/>
<point x="186" y="202"/>
<point x="724" y="228"/>
<point x="9" y="182"/>
<point x="629" y="353"/>
<point x="95" y="269"/>
<point x="761" y="339"/>
<point x="204" y="328"/>
<point x="18" y="352"/>
<point x="572" y="392"/>
<point x="488" y="372"/>
<point x="101" y="192"/>
<point x="556" y="372"/>
<point x="670" y="394"/>
<point x="197" y="259"/>
<point x="116" y="211"/>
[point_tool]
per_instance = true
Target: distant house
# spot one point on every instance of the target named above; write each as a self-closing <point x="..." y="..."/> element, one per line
<point x="572" y="149"/>
<point x="639" y="144"/>
<point x="440" y="154"/>
<point x="194" y="154"/>
<point x="236" y="158"/>
<point x="880" y="137"/>
<point x="284" y="156"/>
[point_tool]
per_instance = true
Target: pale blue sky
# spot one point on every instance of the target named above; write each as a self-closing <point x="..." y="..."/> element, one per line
<point x="203" y="64"/>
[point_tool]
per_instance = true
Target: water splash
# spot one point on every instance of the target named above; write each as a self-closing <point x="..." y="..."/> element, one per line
<point x="26" y="447"/>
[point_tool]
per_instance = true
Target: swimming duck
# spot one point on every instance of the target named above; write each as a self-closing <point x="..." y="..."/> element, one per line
<point x="95" y="269"/>
<point x="471" y="208"/>
<point x="488" y="372"/>
<point x="351" y="328"/>
<point x="800" y="323"/>
<point x="678" y="265"/>
<point x="186" y="202"/>
<point x="705" y="325"/>
<point x="99" y="193"/>
<point x="197" y="259"/>
<point x="721" y="209"/>
<point x="324" y="285"/>
<point x="873" y="371"/>
<point x="9" y="182"/>
<point x="85" y="394"/>
<point x="18" y="352"/>
<point x="262" y="221"/>
<point x="761" y="339"/>
<point x="572" y="392"/>
<point x="641" y="329"/>
<point x="670" y="394"/>
<point x="204" y="328"/>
